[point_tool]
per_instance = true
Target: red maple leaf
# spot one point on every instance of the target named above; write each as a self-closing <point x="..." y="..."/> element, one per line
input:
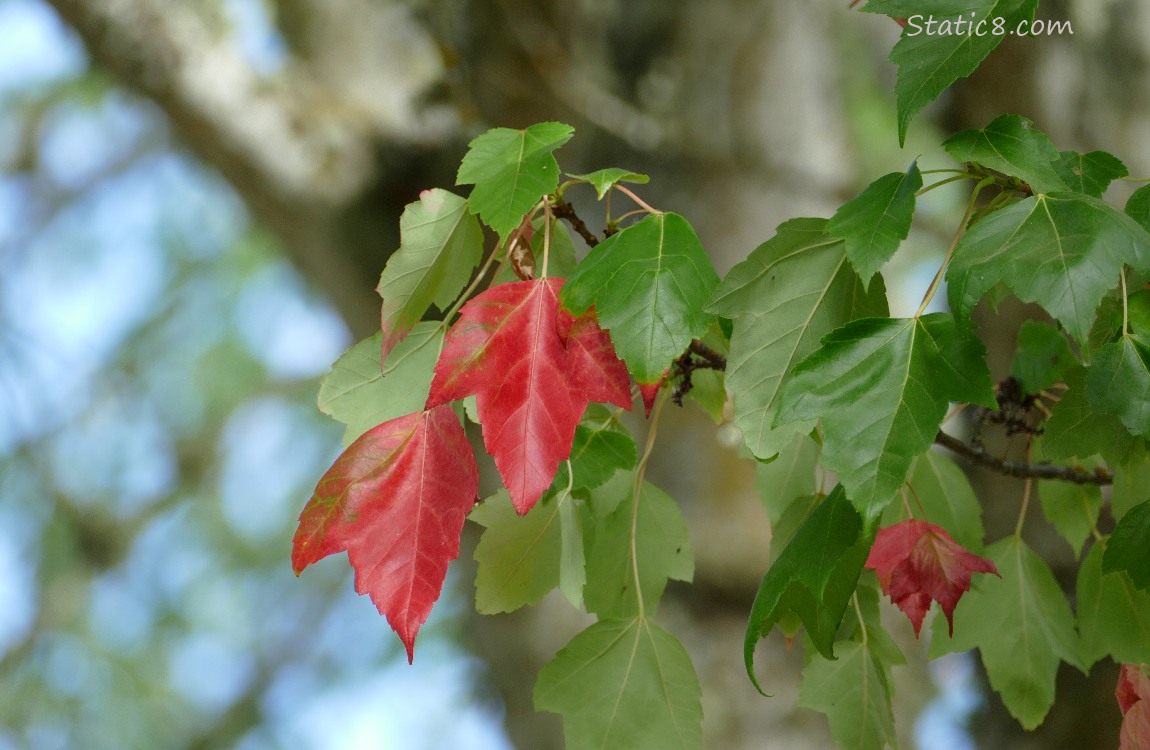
<point x="918" y="562"/>
<point x="396" y="500"/>
<point x="533" y="368"/>
<point x="1133" y="694"/>
<point x="899" y="21"/>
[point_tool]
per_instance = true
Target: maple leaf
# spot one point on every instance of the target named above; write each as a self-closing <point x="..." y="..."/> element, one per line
<point x="396" y="500"/>
<point x="918" y="562"/>
<point x="533" y="369"/>
<point x="1133" y="694"/>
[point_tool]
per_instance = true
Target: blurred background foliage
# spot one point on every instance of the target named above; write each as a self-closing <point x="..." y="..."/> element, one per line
<point x="196" y="199"/>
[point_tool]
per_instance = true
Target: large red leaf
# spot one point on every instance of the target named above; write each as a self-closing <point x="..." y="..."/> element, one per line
<point x="396" y="500"/>
<point x="533" y="369"/>
<point x="1133" y="694"/>
<point x="918" y="562"/>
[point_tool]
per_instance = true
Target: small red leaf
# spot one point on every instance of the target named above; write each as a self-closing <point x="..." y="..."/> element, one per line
<point x="396" y="500"/>
<point x="1133" y="694"/>
<point x="918" y="562"/>
<point x="533" y="370"/>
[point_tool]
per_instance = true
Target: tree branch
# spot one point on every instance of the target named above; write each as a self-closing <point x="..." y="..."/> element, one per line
<point x="979" y="456"/>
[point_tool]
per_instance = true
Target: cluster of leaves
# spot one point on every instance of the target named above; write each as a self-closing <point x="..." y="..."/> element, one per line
<point x="823" y="382"/>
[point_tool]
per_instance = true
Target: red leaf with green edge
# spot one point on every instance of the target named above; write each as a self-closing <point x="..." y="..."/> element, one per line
<point x="918" y="562"/>
<point x="648" y="391"/>
<point x="396" y="500"/>
<point x="533" y="369"/>
<point x="1133" y="694"/>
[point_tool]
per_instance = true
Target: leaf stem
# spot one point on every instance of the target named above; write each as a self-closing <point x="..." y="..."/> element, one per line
<point x="546" y="236"/>
<point x="1025" y="498"/>
<point x="947" y="181"/>
<point x="859" y="614"/>
<point x="953" y="243"/>
<point x="636" y="494"/>
<point x="463" y="297"/>
<point x="628" y="192"/>
<point x="1125" y="306"/>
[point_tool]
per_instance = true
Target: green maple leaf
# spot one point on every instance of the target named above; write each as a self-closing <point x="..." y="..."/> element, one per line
<point x="511" y="170"/>
<point x="1013" y="146"/>
<point x="789" y="476"/>
<point x="1074" y="427"/>
<point x="647" y="533"/>
<point x="1064" y="251"/>
<point x="881" y="387"/>
<point x="1113" y="617"/>
<point x="441" y="244"/>
<point x="1089" y="173"/>
<point x="929" y="63"/>
<point x="1022" y="626"/>
<point x="1041" y="358"/>
<point x="648" y="284"/>
<point x="814" y="576"/>
<point x="605" y="179"/>
<point x="1072" y="508"/>
<point x="855" y="690"/>
<point x="361" y="394"/>
<point x="790" y="291"/>
<point x="624" y="685"/>
<point x="1118" y="382"/>
<point x="1126" y="549"/>
<point x="877" y="221"/>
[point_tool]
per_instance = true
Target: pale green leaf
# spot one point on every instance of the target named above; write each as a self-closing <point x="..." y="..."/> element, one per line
<point x="1072" y="508"/>
<point x="790" y="292"/>
<point x="660" y="547"/>
<point x="441" y="243"/>
<point x="881" y="387"/>
<point x="624" y="685"/>
<point x="518" y="557"/>
<point x="362" y="394"/>
<point x="1022" y="626"/>
<point x="1074" y="428"/>
<point x="511" y="170"/>
<point x="1131" y="483"/>
<point x="572" y="563"/>
<point x="943" y="492"/>
<point x="648" y="284"/>
<point x="790" y="476"/>
<point x="1113" y="617"/>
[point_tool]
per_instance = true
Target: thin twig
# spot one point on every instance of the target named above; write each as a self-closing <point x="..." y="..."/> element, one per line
<point x="979" y="456"/>
<point x="564" y="210"/>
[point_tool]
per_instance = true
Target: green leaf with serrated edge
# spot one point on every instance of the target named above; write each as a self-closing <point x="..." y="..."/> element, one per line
<point x="813" y="576"/>
<point x="1064" y="251"/>
<point x="1113" y="617"/>
<point x="940" y="492"/>
<point x="605" y="499"/>
<point x="1089" y="173"/>
<point x="604" y="179"/>
<point x="929" y="63"/>
<point x="788" y="477"/>
<point x="1106" y="326"/>
<point x="624" y="685"/>
<point x="1012" y="145"/>
<point x="511" y="170"/>
<point x="441" y="243"/>
<point x="572" y="561"/>
<point x="791" y="520"/>
<point x="1126" y="549"/>
<point x="855" y="691"/>
<point x="881" y="387"/>
<point x="1118" y="382"/>
<point x="648" y="284"/>
<point x="1131" y="483"/>
<point x="874" y="224"/>
<point x="1075" y="428"/>
<point x="1041" y="357"/>
<point x="1138" y="311"/>
<point x="661" y="549"/>
<point x="517" y="556"/>
<point x="1021" y="624"/>
<point x="599" y="450"/>
<point x="1138" y="206"/>
<point x="1072" y="508"/>
<point x="790" y="291"/>
<point x="361" y="394"/>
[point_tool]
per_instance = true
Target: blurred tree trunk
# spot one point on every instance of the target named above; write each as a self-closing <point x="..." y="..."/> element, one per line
<point x="738" y="109"/>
